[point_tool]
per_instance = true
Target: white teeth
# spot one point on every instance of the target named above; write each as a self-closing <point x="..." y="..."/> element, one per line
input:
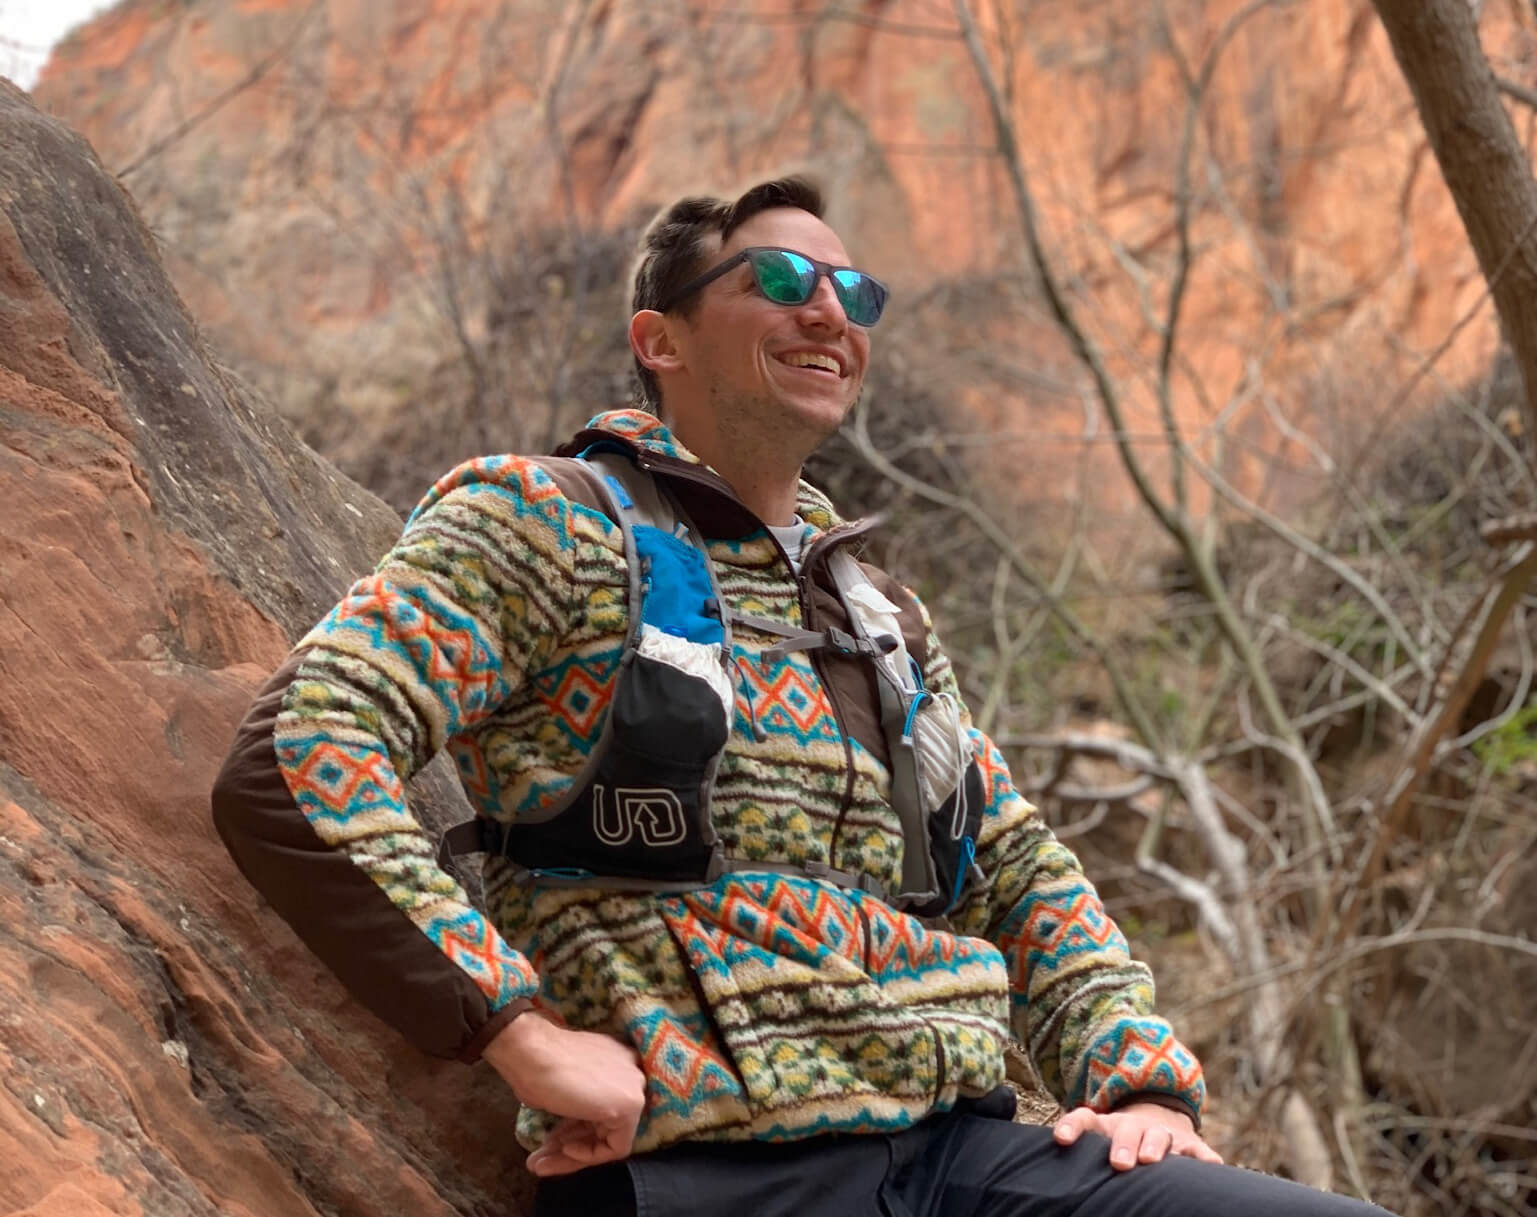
<point x="809" y="359"/>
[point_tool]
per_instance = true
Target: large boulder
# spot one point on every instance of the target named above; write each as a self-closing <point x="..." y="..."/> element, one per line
<point x="167" y="1046"/>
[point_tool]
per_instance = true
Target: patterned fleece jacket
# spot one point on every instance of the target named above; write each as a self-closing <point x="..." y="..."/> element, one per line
<point x="765" y="1005"/>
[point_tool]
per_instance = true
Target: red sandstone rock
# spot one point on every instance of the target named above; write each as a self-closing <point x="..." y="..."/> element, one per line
<point x="166" y="1045"/>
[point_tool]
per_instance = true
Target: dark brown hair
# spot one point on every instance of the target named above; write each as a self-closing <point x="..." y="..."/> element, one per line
<point x="674" y="248"/>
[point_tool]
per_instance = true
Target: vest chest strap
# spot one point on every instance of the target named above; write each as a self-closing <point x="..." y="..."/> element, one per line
<point x="490" y="836"/>
<point x="832" y="639"/>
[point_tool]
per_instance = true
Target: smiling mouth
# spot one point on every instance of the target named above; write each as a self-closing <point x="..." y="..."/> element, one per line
<point x="810" y="361"/>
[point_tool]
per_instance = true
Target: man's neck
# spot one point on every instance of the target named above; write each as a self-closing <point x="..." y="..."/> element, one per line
<point x="769" y="496"/>
<point x="761" y="474"/>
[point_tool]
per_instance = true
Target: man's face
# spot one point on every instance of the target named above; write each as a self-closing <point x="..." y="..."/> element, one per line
<point x="757" y="361"/>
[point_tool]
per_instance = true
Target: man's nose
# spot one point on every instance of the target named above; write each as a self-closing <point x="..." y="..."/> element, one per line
<point x="822" y="307"/>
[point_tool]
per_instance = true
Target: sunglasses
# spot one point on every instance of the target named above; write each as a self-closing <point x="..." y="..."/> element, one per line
<point x="789" y="278"/>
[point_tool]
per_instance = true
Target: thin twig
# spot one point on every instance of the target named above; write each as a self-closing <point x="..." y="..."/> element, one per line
<point x="1360" y="948"/>
<point x="1517" y="91"/>
<point x="859" y="432"/>
<point x="187" y="126"/>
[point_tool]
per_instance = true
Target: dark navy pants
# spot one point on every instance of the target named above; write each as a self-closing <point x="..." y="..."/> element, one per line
<point x="969" y="1163"/>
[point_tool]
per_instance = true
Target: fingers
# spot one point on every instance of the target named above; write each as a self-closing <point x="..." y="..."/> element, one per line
<point x="543" y="1162"/>
<point x="1155" y="1143"/>
<point x="553" y="1164"/>
<point x="573" y="1145"/>
<point x="1077" y="1122"/>
<point x="550" y="1151"/>
<point x="1195" y="1147"/>
<point x="619" y="1138"/>
<point x="1125" y="1143"/>
<point x="1134" y="1138"/>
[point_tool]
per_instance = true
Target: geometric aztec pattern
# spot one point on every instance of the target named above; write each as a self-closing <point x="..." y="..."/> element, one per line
<point x="1080" y="1002"/>
<point x="1137" y="1054"/>
<point x="576" y="692"/>
<point x="352" y="791"/>
<point x="1050" y="929"/>
<point x="475" y="775"/>
<point x="785" y="700"/>
<point x="774" y="1006"/>
<point x="468" y="939"/>
<point x="446" y="649"/>
<point x="682" y="1071"/>
<point x="337" y="784"/>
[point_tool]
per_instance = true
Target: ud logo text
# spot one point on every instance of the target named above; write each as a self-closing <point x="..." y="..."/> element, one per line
<point x="653" y="815"/>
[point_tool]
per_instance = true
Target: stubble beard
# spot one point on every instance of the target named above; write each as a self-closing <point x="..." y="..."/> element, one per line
<point x="759" y="428"/>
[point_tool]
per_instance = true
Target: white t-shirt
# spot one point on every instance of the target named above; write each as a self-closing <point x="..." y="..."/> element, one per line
<point x="793" y="537"/>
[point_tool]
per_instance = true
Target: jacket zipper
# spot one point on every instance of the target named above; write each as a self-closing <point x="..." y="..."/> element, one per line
<point x="939" y="1064"/>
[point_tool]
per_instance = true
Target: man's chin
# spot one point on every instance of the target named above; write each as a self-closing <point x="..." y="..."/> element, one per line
<point x="820" y="416"/>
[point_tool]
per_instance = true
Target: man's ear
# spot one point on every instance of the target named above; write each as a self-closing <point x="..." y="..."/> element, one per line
<point x="652" y="341"/>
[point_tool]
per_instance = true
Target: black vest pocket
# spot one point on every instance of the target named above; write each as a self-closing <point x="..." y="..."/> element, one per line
<point x="644" y="814"/>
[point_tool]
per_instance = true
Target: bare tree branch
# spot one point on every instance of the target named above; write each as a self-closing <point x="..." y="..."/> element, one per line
<point x="1493" y="610"/>
<point x="859" y="431"/>
<point x="1519" y="92"/>
<point x="1174" y="521"/>
<point x="251" y="78"/>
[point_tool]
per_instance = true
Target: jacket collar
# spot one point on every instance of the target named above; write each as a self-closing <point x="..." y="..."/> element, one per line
<point x="701" y="492"/>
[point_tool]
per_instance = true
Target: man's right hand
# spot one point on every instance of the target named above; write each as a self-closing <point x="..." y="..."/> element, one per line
<point x="593" y="1081"/>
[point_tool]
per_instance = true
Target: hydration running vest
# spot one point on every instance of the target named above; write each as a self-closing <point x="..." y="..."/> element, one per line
<point x="637" y="816"/>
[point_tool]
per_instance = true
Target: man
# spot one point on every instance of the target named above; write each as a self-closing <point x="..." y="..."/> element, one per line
<point x="777" y="1038"/>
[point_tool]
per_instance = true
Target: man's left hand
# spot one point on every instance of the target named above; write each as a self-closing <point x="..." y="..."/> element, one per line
<point x="1138" y="1132"/>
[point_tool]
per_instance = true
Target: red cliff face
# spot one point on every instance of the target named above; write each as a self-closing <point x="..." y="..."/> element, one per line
<point x="166" y="1046"/>
<point x="351" y="196"/>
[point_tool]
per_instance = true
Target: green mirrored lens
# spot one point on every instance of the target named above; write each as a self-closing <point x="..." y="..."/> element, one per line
<point x="784" y="277"/>
<point x="861" y="296"/>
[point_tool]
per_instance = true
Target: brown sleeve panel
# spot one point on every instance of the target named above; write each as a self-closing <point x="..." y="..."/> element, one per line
<point x="384" y="961"/>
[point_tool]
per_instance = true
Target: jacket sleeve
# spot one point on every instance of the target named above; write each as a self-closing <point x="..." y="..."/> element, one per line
<point x="1082" y="1007"/>
<point x="311" y="800"/>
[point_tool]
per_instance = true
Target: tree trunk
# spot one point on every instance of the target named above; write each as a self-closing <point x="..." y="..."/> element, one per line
<point x="1485" y="167"/>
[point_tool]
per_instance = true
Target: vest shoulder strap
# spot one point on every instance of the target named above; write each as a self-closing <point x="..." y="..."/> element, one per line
<point x="639" y="496"/>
